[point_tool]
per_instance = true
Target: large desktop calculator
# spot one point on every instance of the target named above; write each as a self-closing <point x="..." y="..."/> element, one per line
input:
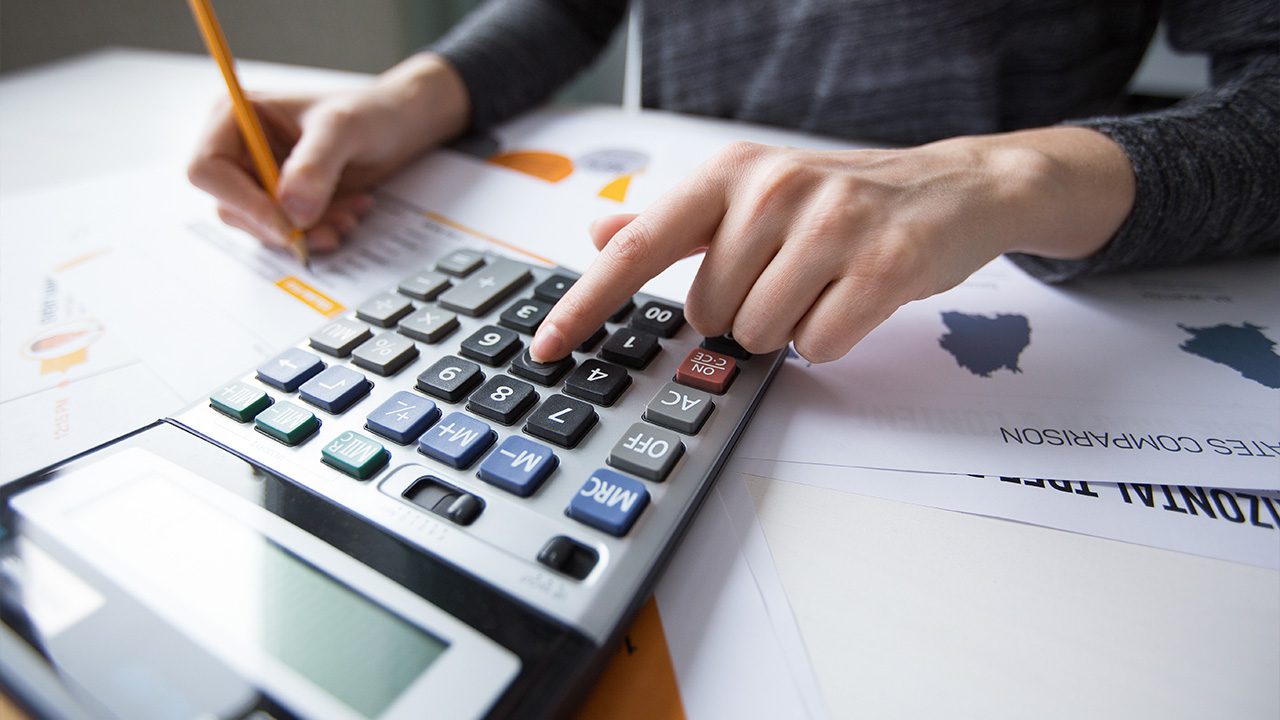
<point x="402" y="515"/>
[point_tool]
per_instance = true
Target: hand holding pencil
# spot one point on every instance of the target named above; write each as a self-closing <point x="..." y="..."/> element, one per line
<point x="333" y="147"/>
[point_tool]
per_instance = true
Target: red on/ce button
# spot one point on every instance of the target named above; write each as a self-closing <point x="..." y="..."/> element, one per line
<point x="707" y="370"/>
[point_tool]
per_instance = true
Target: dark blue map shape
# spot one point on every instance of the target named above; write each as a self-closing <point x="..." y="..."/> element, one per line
<point x="1242" y="348"/>
<point x="982" y="344"/>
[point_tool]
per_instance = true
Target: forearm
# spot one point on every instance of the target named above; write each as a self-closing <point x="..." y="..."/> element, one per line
<point x="513" y="54"/>
<point x="430" y="94"/>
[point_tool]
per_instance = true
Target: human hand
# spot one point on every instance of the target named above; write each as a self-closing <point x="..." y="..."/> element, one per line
<point x="819" y="248"/>
<point x="332" y="147"/>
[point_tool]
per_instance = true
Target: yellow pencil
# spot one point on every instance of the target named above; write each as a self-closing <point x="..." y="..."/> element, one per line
<point x="246" y="117"/>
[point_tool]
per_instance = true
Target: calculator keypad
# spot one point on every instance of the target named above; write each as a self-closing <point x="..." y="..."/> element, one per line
<point x="427" y="396"/>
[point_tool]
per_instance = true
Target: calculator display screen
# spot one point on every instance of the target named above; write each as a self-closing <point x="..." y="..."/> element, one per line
<point x="226" y="575"/>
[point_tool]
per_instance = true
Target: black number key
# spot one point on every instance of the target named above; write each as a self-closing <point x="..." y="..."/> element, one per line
<point x="542" y="373"/>
<point x="525" y="315"/>
<point x="594" y="340"/>
<point x="630" y="347"/>
<point x="502" y="399"/>
<point x="450" y="378"/>
<point x="553" y="288"/>
<point x="491" y="345"/>
<point x="599" y="382"/>
<point x="561" y="420"/>
<point x="660" y="318"/>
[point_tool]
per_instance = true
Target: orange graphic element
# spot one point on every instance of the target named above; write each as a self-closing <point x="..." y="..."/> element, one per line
<point x="81" y="259"/>
<point x="437" y="217"/>
<point x="617" y="189"/>
<point x="640" y="682"/>
<point x="313" y="298"/>
<point x="548" y="166"/>
<point x="64" y="363"/>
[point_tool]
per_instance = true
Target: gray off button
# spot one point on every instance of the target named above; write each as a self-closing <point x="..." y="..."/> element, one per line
<point x="679" y="408"/>
<point x="647" y="451"/>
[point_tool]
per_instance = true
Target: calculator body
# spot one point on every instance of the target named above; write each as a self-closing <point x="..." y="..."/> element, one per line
<point x="414" y="580"/>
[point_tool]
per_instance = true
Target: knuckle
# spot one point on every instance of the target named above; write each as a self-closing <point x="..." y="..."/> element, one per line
<point x="632" y="246"/>
<point x="740" y="152"/>
<point x="753" y="337"/>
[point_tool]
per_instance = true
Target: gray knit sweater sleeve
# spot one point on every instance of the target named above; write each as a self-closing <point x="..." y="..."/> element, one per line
<point x="1208" y="168"/>
<point x="513" y="54"/>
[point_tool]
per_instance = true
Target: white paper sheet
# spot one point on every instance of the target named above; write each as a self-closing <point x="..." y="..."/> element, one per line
<point x="1232" y="525"/>
<point x="914" y="612"/>
<point x="1104" y="388"/>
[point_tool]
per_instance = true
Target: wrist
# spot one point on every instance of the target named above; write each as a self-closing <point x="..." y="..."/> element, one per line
<point x="430" y="98"/>
<point x="1074" y="188"/>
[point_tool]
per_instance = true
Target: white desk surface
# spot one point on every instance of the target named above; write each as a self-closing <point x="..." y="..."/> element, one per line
<point x="1087" y="626"/>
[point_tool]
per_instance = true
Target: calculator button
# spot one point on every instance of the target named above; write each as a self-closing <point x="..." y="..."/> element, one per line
<point x="621" y="313"/>
<point x="450" y="378"/>
<point x="491" y="345"/>
<point x="597" y="381"/>
<point x="335" y="389"/>
<point x="429" y="324"/>
<point x="290" y="369"/>
<point x="239" y="401"/>
<point x="594" y="340"/>
<point x="561" y="420"/>
<point x="385" y="354"/>
<point x="385" y="309"/>
<point x="726" y="345"/>
<point x="553" y="288"/>
<point x="568" y="556"/>
<point x="609" y="501"/>
<point x="479" y="293"/>
<point x="630" y="347"/>
<point x="647" y="451"/>
<point x="340" y="337"/>
<point x="518" y="466"/>
<point x="707" y="370"/>
<point x="679" y="408"/>
<point x="502" y="399"/>
<point x="403" y="417"/>
<point x="660" y="318"/>
<point x="356" y="455"/>
<point x="424" y="285"/>
<point x="460" y="263"/>
<point x="525" y="315"/>
<point x="457" y="440"/>
<point x="542" y="373"/>
<point x="287" y="423"/>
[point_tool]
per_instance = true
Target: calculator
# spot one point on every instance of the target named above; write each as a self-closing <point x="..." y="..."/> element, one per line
<point x="401" y="515"/>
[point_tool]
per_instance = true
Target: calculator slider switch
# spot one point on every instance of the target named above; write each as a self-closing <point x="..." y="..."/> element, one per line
<point x="707" y="370"/>
<point x="568" y="556"/>
<point x="440" y="498"/>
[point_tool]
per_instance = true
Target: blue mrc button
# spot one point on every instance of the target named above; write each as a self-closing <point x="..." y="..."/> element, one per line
<point x="609" y="501"/>
<point x="518" y="466"/>
<point x="457" y="440"/>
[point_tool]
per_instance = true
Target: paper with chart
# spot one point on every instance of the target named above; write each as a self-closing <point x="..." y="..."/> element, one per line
<point x="1164" y="377"/>
<point x="1236" y="525"/>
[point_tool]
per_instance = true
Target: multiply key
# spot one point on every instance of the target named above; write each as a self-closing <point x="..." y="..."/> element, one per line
<point x="707" y="370"/>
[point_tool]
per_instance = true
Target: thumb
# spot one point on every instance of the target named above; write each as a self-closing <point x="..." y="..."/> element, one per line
<point x="309" y="177"/>
<point x="603" y="229"/>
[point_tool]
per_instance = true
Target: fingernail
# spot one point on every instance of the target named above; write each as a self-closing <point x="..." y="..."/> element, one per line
<point x="301" y="211"/>
<point x="546" y="344"/>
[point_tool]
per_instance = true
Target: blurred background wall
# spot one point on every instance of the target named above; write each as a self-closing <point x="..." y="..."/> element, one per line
<point x="362" y="35"/>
